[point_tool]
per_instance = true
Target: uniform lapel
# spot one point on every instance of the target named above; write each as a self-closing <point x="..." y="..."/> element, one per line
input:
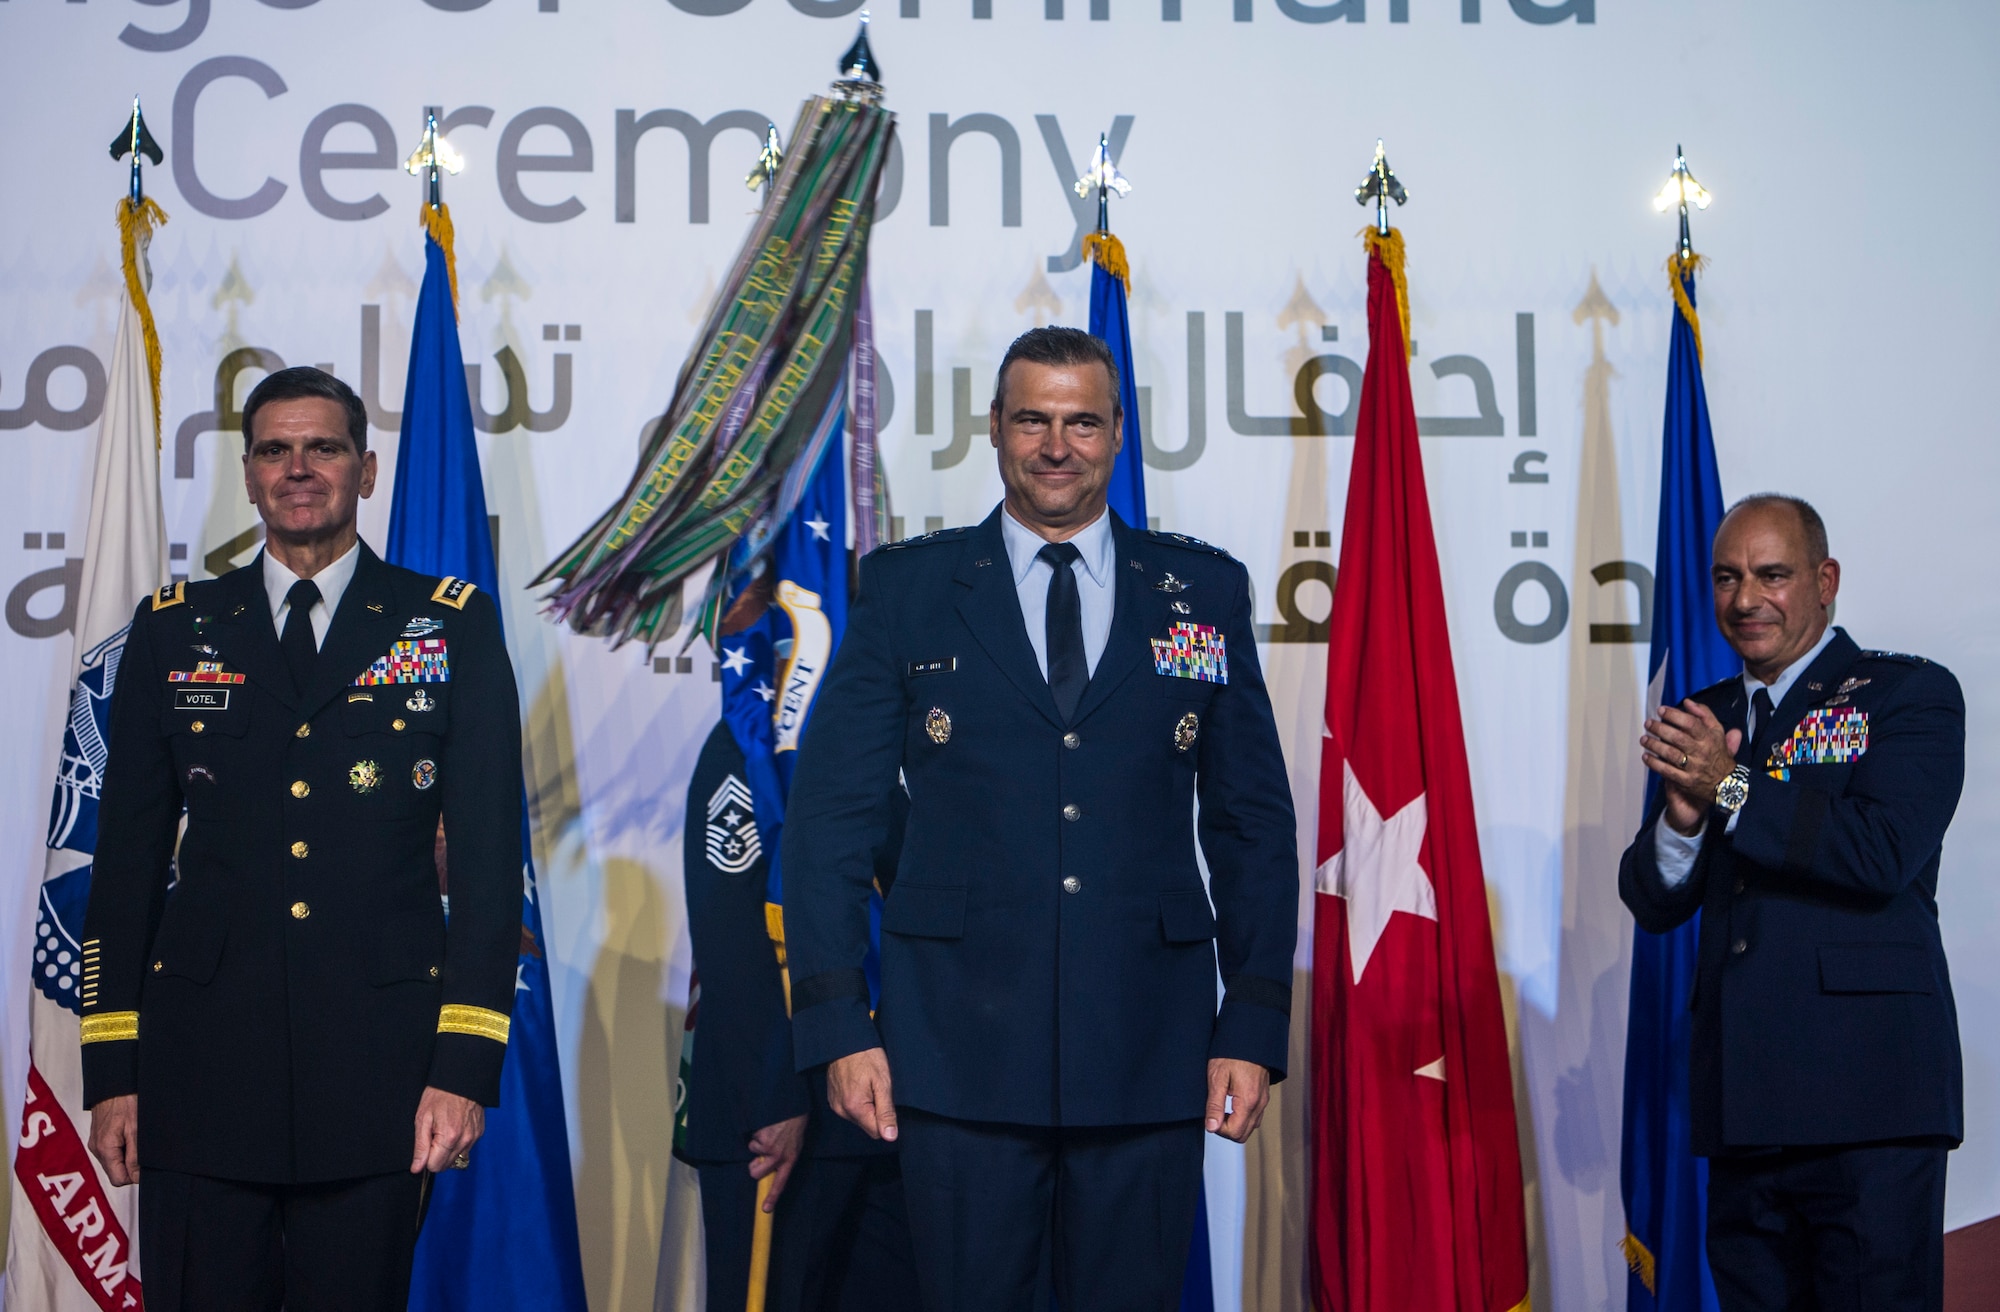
<point x="991" y="608"/>
<point x="369" y="618"/>
<point x="244" y="635"/>
<point x="1135" y="614"/>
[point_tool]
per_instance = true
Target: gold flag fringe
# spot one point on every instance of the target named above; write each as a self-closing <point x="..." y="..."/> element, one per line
<point x="1677" y="268"/>
<point x="437" y="225"/>
<point x="1109" y="253"/>
<point x="1637" y="1255"/>
<point x="1389" y="249"/>
<point x="131" y="218"/>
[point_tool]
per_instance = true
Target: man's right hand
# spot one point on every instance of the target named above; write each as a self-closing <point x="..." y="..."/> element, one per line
<point x="857" y="1087"/>
<point x="114" y="1137"/>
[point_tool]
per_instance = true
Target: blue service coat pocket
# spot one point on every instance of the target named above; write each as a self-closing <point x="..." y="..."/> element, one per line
<point x="189" y="944"/>
<point x="1185" y="916"/>
<point x="920" y="911"/>
<point x="411" y="948"/>
<point x="1875" y="968"/>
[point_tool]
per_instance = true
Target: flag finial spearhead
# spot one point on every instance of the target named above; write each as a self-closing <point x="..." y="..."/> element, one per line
<point x="860" y="72"/>
<point x="1681" y="191"/>
<point x="1103" y="178"/>
<point x="1381" y="187"/>
<point x="769" y="160"/>
<point x="134" y="137"/>
<point x="433" y="157"/>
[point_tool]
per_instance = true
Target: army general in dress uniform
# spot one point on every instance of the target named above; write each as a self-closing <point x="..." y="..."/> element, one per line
<point x="1803" y="816"/>
<point x="1057" y="689"/>
<point x="283" y="1034"/>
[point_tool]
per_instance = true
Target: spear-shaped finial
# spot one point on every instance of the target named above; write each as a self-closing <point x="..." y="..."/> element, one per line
<point x="1104" y="178"/>
<point x="769" y="161"/>
<point x="134" y="137"/>
<point x="860" y="72"/>
<point x="433" y="157"/>
<point x="1381" y="187"/>
<point x="1681" y="189"/>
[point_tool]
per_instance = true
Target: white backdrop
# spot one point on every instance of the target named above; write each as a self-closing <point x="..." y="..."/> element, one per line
<point x="1848" y="321"/>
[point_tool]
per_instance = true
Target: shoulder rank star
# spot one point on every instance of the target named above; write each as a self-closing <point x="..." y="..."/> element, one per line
<point x="1170" y="584"/>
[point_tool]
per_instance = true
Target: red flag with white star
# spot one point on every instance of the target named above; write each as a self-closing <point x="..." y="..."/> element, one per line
<point x="1416" y="1183"/>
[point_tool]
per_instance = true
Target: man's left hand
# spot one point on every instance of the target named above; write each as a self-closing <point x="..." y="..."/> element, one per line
<point x="1689" y="749"/>
<point x="1238" y="1092"/>
<point x="447" y="1125"/>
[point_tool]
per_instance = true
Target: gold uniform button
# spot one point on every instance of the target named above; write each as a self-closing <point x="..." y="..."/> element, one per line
<point x="300" y="911"/>
<point x="397" y="725"/>
<point x="299" y="849"/>
<point x="159" y="966"/>
<point x="300" y="788"/>
<point x="434" y="972"/>
<point x="197" y="726"/>
<point x="303" y="731"/>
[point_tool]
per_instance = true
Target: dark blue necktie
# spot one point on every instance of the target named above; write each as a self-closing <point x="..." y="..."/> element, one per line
<point x="1069" y="671"/>
<point x="300" y="647"/>
<point x="1759" y="728"/>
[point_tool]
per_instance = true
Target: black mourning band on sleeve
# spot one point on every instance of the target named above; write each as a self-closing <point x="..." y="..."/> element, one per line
<point x="828" y="986"/>
<point x="1260" y="992"/>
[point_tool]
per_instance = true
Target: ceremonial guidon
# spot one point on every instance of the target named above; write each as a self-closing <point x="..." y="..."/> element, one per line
<point x="1049" y="955"/>
<point x="1823" y="1011"/>
<point x="282" y="986"/>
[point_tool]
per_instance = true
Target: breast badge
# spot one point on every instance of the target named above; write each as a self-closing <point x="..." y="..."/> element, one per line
<point x="423" y="774"/>
<point x="423" y="701"/>
<point x="938" y="725"/>
<point x="365" y="776"/>
<point x="1170" y="584"/>
<point x="1192" y="651"/>
<point x="421" y="626"/>
<point x="1186" y="731"/>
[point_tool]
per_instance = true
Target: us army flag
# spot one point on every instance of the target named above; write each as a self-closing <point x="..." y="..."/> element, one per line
<point x="70" y="1244"/>
<point x="1416" y="1181"/>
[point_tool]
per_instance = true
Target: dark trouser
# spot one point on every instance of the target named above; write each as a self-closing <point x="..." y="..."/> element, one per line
<point x="840" y="1237"/>
<point x="210" y="1245"/>
<point x="1842" y="1229"/>
<point x="993" y="1208"/>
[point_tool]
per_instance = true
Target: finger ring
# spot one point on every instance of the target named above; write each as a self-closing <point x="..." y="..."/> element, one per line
<point x="460" y="1162"/>
<point x="1684" y="760"/>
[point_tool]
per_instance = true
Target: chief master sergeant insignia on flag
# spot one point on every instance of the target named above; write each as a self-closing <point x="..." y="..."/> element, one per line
<point x="291" y="1038"/>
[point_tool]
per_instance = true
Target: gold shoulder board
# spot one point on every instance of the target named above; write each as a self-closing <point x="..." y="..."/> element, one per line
<point x="454" y="592"/>
<point x="173" y="594"/>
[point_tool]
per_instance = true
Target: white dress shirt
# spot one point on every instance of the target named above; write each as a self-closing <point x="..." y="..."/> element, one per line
<point x="332" y="581"/>
<point x="1675" y="853"/>
<point x="1096" y="586"/>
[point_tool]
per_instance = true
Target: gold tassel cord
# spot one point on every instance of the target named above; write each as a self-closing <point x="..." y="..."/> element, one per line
<point x="1109" y="253"/>
<point x="1677" y="269"/>
<point x="437" y="226"/>
<point x="132" y="218"/>
<point x="1389" y="249"/>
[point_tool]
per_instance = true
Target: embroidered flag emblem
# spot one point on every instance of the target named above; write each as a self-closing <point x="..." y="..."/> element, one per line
<point x="421" y="661"/>
<point x="1828" y="736"/>
<point x="1192" y="651"/>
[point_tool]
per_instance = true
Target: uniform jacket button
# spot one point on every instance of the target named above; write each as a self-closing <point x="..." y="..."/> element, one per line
<point x="300" y="911"/>
<point x="397" y="725"/>
<point x="1739" y="886"/>
<point x="1072" y="884"/>
<point x="1072" y="812"/>
<point x="159" y="966"/>
<point x="300" y="850"/>
<point x="1071" y="741"/>
<point x="434" y="972"/>
<point x="300" y="788"/>
<point x="1740" y="946"/>
<point x="303" y="731"/>
<point x="197" y="726"/>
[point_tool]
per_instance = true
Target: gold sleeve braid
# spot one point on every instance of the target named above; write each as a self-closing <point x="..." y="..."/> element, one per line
<point x="457" y="1018"/>
<point x="111" y="1027"/>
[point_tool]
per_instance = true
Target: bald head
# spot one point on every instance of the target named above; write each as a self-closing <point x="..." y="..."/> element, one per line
<point x="1773" y="580"/>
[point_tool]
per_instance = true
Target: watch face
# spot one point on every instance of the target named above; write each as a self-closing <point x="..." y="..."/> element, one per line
<point x="1734" y="790"/>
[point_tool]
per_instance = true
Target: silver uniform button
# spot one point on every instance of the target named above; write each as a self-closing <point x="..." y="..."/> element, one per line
<point x="1740" y="946"/>
<point x="1072" y="885"/>
<point x="1071" y="741"/>
<point x="1072" y="812"/>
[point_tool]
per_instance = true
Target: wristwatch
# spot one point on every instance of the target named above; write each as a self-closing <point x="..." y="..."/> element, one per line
<point x="1734" y="790"/>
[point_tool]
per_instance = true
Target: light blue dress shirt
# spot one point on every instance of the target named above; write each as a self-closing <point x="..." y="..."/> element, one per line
<point x="1675" y="853"/>
<point x="1096" y="586"/>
